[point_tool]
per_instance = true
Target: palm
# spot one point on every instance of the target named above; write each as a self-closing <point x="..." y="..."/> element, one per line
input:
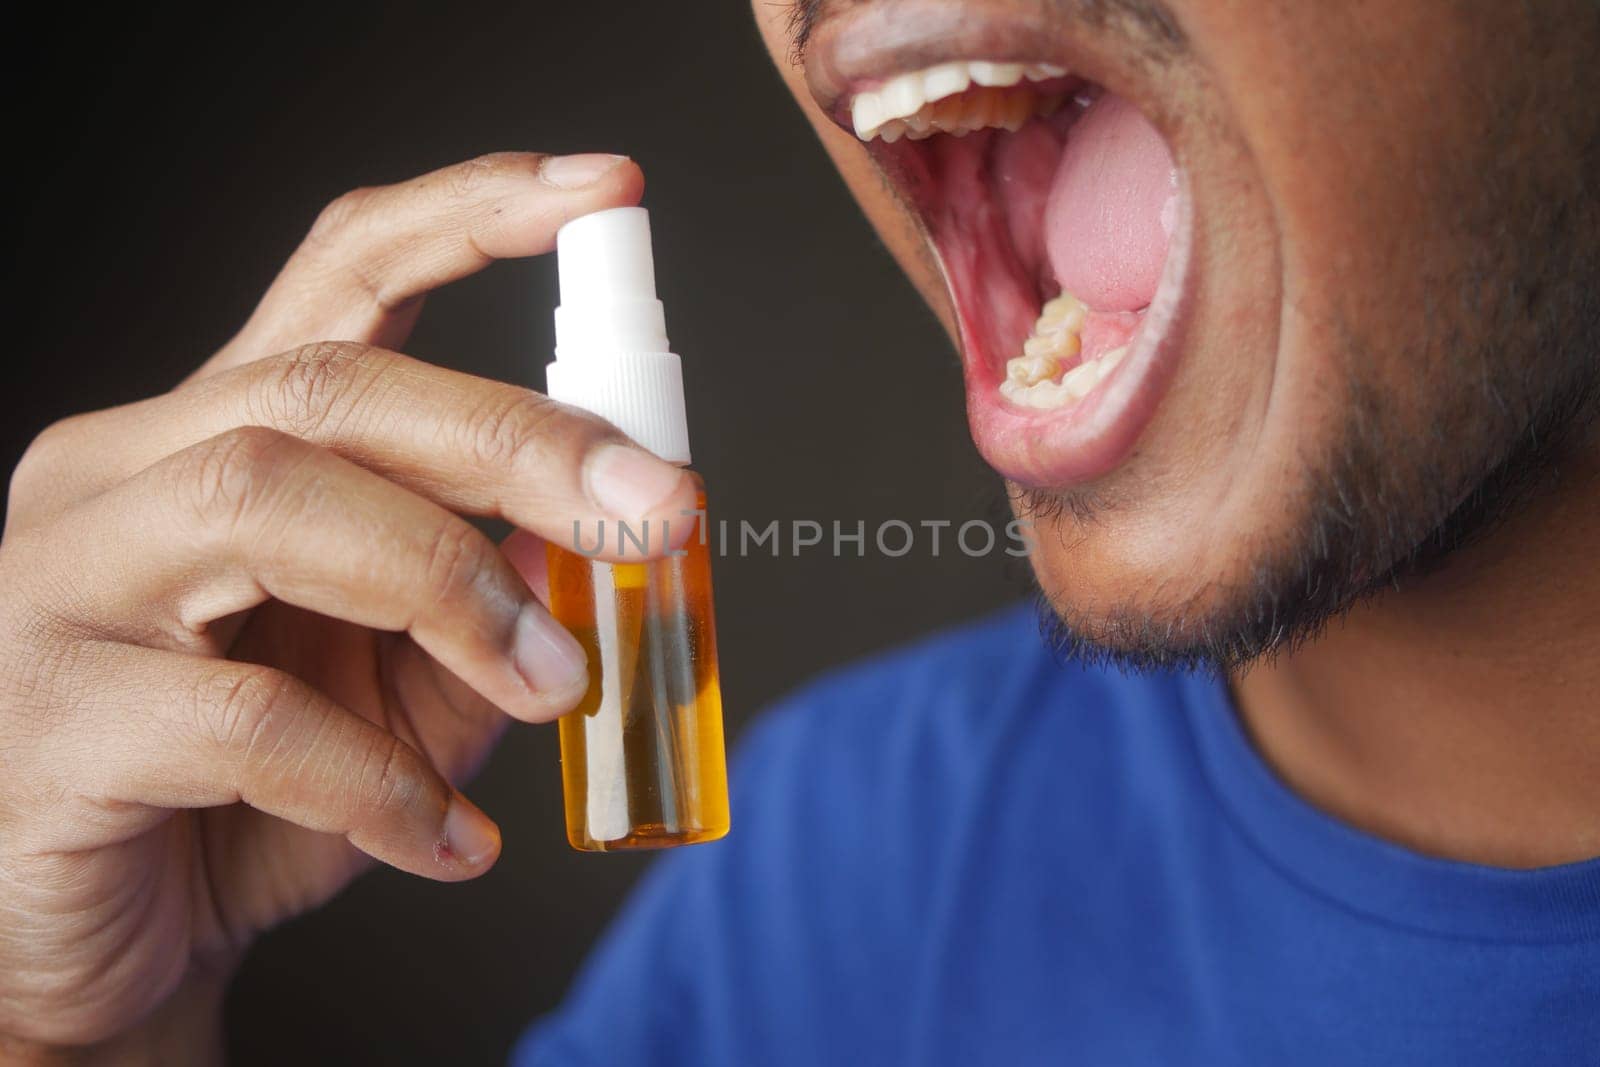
<point x="203" y="882"/>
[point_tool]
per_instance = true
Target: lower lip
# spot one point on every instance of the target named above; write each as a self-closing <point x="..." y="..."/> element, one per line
<point x="1085" y="441"/>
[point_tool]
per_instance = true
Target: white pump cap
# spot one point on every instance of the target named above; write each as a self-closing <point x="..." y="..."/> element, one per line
<point x="612" y="354"/>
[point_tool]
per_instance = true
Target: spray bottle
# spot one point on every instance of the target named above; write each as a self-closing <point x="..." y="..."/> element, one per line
<point x="642" y="756"/>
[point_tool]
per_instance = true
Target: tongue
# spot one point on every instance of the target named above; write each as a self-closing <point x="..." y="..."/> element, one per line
<point x="1113" y="204"/>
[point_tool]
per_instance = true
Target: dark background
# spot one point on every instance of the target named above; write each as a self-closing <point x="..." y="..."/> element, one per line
<point x="171" y="162"/>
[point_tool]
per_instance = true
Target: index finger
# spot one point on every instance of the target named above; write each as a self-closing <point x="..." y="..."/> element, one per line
<point x="473" y="445"/>
<point x="373" y="254"/>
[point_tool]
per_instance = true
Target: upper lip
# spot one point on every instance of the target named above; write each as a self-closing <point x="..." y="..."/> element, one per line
<point x="874" y="41"/>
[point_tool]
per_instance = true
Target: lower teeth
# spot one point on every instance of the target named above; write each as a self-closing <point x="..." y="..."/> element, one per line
<point x="1031" y="378"/>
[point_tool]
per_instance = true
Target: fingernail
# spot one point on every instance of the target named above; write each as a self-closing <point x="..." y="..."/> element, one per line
<point x="469" y="834"/>
<point x="630" y="483"/>
<point x="549" y="659"/>
<point x="575" y="172"/>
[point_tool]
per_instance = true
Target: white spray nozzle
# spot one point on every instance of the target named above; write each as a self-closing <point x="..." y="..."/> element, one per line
<point x="612" y="353"/>
<point x="606" y="255"/>
<point x="608" y="285"/>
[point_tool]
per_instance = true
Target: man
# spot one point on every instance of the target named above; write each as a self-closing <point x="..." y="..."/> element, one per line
<point x="1280" y="321"/>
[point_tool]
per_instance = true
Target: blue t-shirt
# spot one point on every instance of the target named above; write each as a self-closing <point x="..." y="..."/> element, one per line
<point x="968" y="853"/>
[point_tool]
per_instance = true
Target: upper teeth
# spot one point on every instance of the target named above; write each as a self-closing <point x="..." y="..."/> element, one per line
<point x="905" y="94"/>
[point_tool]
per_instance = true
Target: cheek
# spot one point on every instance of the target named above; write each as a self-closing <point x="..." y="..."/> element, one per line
<point x="1226" y="472"/>
<point x="1370" y="122"/>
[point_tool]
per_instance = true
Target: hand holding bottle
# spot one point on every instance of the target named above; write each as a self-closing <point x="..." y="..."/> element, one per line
<point x="246" y="639"/>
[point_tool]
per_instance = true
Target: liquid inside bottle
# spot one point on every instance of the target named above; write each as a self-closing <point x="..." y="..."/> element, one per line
<point x="642" y="759"/>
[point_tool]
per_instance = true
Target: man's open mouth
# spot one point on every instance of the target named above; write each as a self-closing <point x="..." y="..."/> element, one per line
<point x="1055" y="206"/>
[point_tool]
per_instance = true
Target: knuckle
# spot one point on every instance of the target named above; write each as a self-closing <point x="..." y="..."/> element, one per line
<point x="337" y="219"/>
<point x="46" y="449"/>
<point x="243" y="711"/>
<point x="221" y="480"/>
<point x="45" y="606"/>
<point x="458" y="555"/>
<point x="46" y="678"/>
<point x="510" y="429"/>
<point x="392" y="780"/>
<point x="468" y="179"/>
<point x="41" y="462"/>
<point x="307" y="390"/>
<point x="334" y="245"/>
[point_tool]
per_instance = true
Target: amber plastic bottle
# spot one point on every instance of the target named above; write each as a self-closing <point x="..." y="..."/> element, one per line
<point x="642" y="758"/>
